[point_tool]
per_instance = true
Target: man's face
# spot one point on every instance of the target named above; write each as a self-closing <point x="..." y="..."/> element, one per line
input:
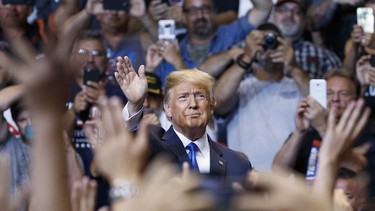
<point x="188" y="107"/>
<point x="352" y="190"/>
<point x="113" y="20"/>
<point x="23" y="120"/>
<point x="200" y="18"/>
<point x="14" y="15"/>
<point x="289" y="18"/>
<point x="340" y="91"/>
<point x="90" y="51"/>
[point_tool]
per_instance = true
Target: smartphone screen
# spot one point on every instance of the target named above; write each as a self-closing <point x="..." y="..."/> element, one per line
<point x="167" y="29"/>
<point x="91" y="74"/>
<point x="318" y="91"/>
<point x="116" y="5"/>
<point x="365" y="19"/>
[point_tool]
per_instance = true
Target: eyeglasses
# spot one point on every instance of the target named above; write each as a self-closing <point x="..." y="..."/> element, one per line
<point x="341" y="93"/>
<point x="86" y="52"/>
<point x="195" y="10"/>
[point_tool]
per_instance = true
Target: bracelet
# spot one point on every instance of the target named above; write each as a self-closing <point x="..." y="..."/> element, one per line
<point x="244" y="65"/>
<point x="123" y="190"/>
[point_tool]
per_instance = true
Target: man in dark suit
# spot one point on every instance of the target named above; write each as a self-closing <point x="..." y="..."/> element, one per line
<point x="189" y="103"/>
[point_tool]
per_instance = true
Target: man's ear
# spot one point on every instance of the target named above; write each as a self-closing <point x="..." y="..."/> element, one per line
<point x="167" y="109"/>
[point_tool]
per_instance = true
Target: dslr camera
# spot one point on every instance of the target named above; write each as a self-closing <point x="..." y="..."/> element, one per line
<point x="270" y="41"/>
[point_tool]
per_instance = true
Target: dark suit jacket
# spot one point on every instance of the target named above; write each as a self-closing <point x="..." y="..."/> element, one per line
<point x="225" y="164"/>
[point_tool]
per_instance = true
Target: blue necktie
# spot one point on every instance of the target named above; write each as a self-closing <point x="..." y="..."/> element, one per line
<point x="193" y="149"/>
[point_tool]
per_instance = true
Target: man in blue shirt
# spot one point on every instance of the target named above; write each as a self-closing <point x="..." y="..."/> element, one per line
<point x="205" y="38"/>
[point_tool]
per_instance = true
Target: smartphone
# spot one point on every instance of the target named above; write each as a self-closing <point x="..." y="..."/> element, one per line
<point x="116" y="5"/>
<point x="318" y="91"/>
<point x="167" y="29"/>
<point x="91" y="74"/>
<point x="365" y="19"/>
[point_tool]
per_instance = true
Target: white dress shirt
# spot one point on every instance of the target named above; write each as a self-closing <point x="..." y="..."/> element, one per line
<point x="203" y="155"/>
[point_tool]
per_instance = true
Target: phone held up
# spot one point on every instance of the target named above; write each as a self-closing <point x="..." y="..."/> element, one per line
<point x="90" y="73"/>
<point x="116" y="5"/>
<point x="318" y="91"/>
<point x="167" y="30"/>
<point x="365" y="19"/>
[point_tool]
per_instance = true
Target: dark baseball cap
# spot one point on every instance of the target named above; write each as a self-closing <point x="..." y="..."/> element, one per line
<point x="154" y="84"/>
<point x="299" y="3"/>
<point x="269" y="26"/>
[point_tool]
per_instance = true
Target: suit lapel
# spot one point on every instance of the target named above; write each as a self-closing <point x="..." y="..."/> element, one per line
<point x="218" y="165"/>
<point x="175" y="146"/>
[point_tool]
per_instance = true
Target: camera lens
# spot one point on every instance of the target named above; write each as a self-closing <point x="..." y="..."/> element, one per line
<point x="270" y="41"/>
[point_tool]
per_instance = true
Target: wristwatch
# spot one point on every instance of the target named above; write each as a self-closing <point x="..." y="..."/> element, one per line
<point x="246" y="66"/>
<point x="123" y="190"/>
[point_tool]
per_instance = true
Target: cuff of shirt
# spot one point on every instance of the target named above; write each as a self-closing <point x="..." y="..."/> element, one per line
<point x="131" y="121"/>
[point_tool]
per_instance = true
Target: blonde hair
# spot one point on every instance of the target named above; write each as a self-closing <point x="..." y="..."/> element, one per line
<point x="193" y="76"/>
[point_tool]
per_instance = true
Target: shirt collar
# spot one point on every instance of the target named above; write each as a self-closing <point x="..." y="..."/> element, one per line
<point x="202" y="142"/>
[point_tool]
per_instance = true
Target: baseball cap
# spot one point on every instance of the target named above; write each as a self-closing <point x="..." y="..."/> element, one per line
<point x="299" y="3"/>
<point x="269" y="26"/>
<point x="154" y="84"/>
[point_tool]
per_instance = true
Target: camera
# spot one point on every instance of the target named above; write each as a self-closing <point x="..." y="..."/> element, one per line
<point x="116" y="5"/>
<point x="270" y="41"/>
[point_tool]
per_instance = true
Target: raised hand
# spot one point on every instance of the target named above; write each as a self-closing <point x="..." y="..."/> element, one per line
<point x="302" y="123"/>
<point x="317" y="115"/>
<point x="254" y="42"/>
<point x="284" y="54"/>
<point x="162" y="179"/>
<point x="158" y="10"/>
<point x="121" y="155"/>
<point x="337" y="143"/>
<point x="137" y="8"/>
<point x="362" y="70"/>
<point x="94" y="7"/>
<point x="133" y="85"/>
<point x="296" y="198"/>
<point x="171" y="53"/>
<point x="340" y="136"/>
<point x="153" y="57"/>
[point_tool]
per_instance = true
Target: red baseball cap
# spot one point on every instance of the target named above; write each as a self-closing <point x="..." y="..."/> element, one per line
<point x="299" y="3"/>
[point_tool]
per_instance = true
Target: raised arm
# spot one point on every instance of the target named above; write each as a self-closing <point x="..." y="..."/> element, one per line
<point x="337" y="143"/>
<point x="138" y="10"/>
<point x="229" y="82"/>
<point x="260" y="12"/>
<point x="287" y="155"/>
<point x="133" y="85"/>
<point x="215" y="64"/>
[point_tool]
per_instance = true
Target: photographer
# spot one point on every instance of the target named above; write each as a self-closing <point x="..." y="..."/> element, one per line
<point x="259" y="94"/>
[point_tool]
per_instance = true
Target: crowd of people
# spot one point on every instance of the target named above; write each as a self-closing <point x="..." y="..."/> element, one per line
<point x="100" y="113"/>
